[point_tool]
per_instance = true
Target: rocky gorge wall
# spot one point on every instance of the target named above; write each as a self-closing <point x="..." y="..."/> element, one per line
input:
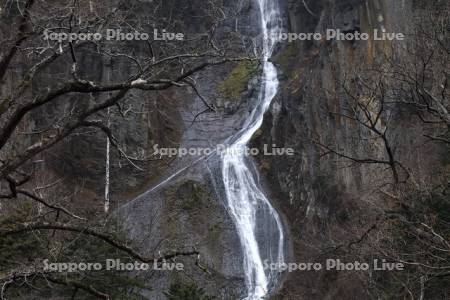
<point x="325" y="198"/>
<point x="168" y="204"/>
<point x="184" y="213"/>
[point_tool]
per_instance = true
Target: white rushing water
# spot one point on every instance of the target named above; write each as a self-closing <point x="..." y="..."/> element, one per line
<point x="258" y="224"/>
<point x="249" y="207"/>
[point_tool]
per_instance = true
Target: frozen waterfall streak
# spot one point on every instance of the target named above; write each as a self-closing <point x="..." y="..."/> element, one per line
<point x="244" y="197"/>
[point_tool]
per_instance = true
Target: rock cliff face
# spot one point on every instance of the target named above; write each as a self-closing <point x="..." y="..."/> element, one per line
<point x="171" y="203"/>
<point x="325" y="197"/>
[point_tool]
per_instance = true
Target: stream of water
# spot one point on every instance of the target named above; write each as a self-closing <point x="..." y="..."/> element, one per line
<point x="258" y="224"/>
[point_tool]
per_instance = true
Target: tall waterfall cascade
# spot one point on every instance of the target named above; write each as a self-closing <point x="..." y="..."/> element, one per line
<point x="258" y="224"/>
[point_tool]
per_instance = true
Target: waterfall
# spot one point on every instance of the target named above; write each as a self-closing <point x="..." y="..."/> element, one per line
<point x="257" y="222"/>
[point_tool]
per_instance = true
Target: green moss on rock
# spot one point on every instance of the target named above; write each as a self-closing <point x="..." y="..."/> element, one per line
<point x="236" y="82"/>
